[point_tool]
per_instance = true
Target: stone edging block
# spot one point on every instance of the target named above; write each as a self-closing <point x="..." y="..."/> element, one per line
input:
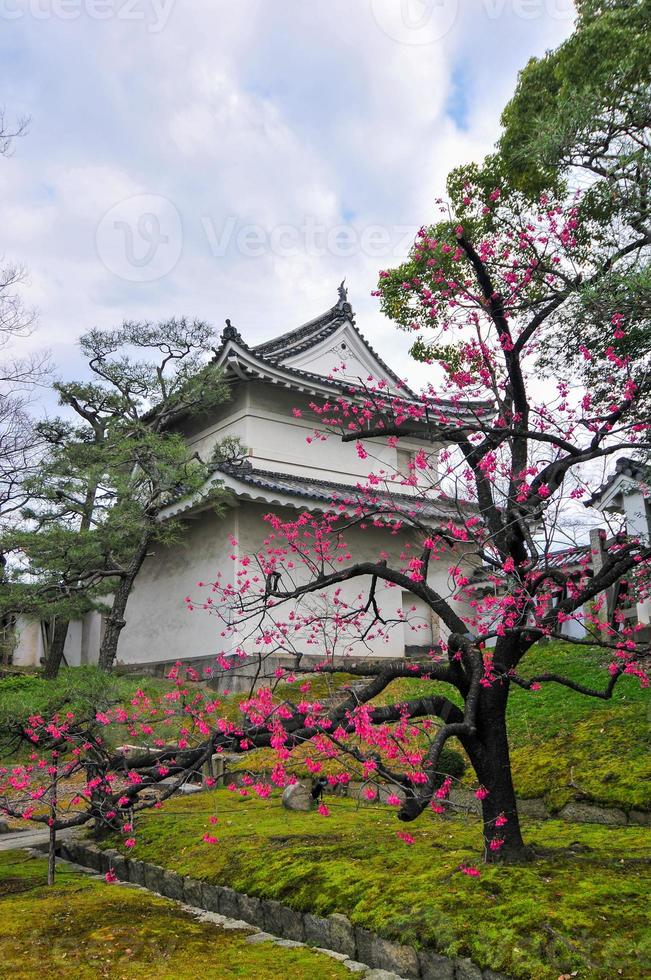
<point x="335" y="934"/>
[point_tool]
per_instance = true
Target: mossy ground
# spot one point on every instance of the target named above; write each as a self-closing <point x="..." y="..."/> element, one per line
<point x="564" y="746"/>
<point x="83" y="928"/>
<point x="580" y="905"/>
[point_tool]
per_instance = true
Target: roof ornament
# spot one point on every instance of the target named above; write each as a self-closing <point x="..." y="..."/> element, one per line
<point x="343" y="303"/>
<point x="231" y="333"/>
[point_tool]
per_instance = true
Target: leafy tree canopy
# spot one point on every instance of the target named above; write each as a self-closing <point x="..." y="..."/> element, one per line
<point x="112" y="465"/>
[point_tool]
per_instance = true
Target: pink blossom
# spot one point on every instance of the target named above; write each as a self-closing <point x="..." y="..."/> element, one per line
<point x="407" y="838"/>
<point x="470" y="871"/>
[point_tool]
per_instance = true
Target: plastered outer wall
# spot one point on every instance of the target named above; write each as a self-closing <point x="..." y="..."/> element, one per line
<point x="81" y="647"/>
<point x="28" y="649"/>
<point x="262" y="417"/>
<point x="160" y="628"/>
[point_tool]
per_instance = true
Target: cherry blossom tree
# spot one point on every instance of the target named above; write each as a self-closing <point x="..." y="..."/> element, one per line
<point x="520" y="454"/>
<point x="512" y="454"/>
<point x="75" y="768"/>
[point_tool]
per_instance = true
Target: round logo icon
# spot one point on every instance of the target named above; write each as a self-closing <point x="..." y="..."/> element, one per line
<point x="415" y="21"/>
<point x="140" y="239"/>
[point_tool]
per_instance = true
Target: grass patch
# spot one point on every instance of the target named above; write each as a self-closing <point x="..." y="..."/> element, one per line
<point x="80" y="690"/>
<point x="605" y="759"/>
<point x="572" y="909"/>
<point x="564" y="746"/>
<point x="83" y="928"/>
<point x="77" y="689"/>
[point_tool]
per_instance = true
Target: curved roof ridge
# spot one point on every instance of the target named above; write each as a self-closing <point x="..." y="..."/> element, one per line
<point x="305" y="334"/>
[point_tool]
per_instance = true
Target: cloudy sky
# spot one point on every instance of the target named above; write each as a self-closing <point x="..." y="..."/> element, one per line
<point x="239" y="159"/>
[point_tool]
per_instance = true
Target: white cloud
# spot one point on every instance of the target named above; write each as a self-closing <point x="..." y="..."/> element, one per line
<point x="283" y="114"/>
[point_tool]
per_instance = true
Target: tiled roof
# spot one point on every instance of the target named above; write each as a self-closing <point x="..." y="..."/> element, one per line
<point x="634" y="469"/>
<point x="302" y="338"/>
<point x="568" y="559"/>
<point x="310" y="334"/>
<point x="273" y="354"/>
<point x="308" y="488"/>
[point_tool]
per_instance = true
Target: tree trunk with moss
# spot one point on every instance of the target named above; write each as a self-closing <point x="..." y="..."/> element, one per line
<point x="489" y="754"/>
<point x="54" y="655"/>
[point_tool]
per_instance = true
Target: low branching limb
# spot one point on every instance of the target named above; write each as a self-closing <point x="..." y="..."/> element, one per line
<point x="605" y="694"/>
<point x="459" y="725"/>
<point x="381" y="571"/>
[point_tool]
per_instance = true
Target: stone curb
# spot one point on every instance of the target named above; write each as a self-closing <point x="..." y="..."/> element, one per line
<point x="358" y="949"/>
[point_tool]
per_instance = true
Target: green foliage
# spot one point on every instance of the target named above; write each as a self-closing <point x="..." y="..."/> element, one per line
<point x="83" y="928"/>
<point x="106" y="477"/>
<point x="571" y="909"/>
<point x="82" y="690"/>
<point x="447" y="354"/>
<point x="579" y="121"/>
<point x="587" y="324"/>
<point x="583" y="105"/>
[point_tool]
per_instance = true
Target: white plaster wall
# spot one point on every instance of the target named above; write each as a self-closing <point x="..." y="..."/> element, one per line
<point x="363" y="546"/>
<point x="342" y="355"/>
<point x="370" y="544"/>
<point x="28" y="650"/>
<point x="159" y="627"/>
<point x="229" y="419"/>
<point x="72" y="648"/>
<point x="638" y="523"/>
<point x="92" y="632"/>
<point x="261" y="416"/>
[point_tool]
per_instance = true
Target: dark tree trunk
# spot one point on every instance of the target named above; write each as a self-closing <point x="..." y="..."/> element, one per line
<point x="114" y="625"/>
<point x="115" y="621"/>
<point x="489" y="754"/>
<point x="52" y="843"/>
<point x="54" y="654"/>
<point x="52" y="856"/>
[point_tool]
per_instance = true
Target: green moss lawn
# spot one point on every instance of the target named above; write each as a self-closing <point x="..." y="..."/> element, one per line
<point x="564" y="746"/>
<point x="83" y="928"/>
<point x="580" y="906"/>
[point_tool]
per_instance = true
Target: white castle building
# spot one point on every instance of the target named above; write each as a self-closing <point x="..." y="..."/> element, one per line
<point x="281" y="473"/>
